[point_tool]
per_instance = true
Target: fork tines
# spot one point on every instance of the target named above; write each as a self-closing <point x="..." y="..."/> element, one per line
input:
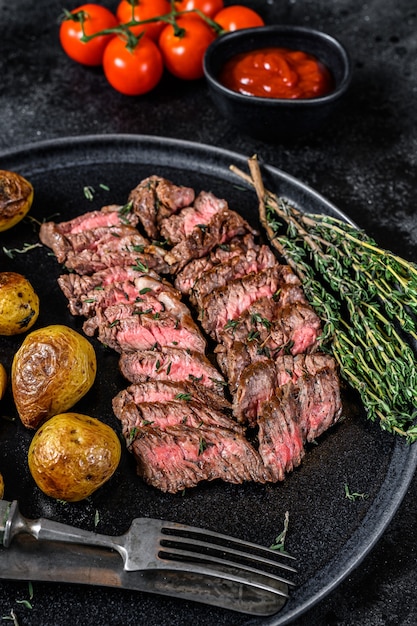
<point x="227" y="557"/>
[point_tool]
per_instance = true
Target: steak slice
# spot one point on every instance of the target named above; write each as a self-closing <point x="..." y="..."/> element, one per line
<point x="280" y="436"/>
<point x="76" y="285"/>
<point x="294" y="329"/>
<point x="224" y="226"/>
<point x="166" y="391"/>
<point x="257" y="385"/>
<point x="319" y="402"/>
<point x="181" y="457"/>
<point x="227" y="303"/>
<point x="233" y="361"/>
<point x="55" y="235"/>
<point x="185" y="279"/>
<point x="258" y="382"/>
<point x="131" y="250"/>
<point x="170" y="364"/>
<point x="291" y="368"/>
<point x="156" y="198"/>
<point x="125" y="328"/>
<point x="88" y="294"/>
<point x="254" y="261"/>
<point x="161" y="415"/>
<point x="177" y="227"/>
<point x="71" y="244"/>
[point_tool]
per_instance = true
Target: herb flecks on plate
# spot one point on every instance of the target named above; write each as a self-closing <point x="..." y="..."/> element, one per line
<point x="366" y="297"/>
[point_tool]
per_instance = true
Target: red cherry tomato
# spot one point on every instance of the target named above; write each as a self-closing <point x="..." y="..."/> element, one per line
<point x="237" y="16"/>
<point x="183" y="53"/>
<point x="143" y="10"/>
<point x="208" y="7"/>
<point x="132" y="71"/>
<point x="94" y="18"/>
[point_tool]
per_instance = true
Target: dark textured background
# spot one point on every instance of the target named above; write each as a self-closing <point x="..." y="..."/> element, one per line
<point x="364" y="162"/>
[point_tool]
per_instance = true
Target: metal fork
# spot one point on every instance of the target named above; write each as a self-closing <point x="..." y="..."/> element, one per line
<point x="158" y="545"/>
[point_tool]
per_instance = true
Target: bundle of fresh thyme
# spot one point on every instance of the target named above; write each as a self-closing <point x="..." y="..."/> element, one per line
<point x="365" y="296"/>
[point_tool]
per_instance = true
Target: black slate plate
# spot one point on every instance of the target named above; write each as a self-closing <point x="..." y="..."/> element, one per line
<point x="328" y="534"/>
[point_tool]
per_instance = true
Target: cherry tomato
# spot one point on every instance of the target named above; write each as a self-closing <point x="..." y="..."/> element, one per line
<point x="208" y="7"/>
<point x="94" y="18"/>
<point x="143" y="10"/>
<point x="237" y="16"/>
<point x="132" y="71"/>
<point x="183" y="53"/>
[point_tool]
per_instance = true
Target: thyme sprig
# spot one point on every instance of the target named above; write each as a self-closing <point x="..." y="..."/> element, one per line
<point x="366" y="297"/>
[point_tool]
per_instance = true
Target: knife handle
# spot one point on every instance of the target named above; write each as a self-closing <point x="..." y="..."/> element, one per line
<point x="14" y="523"/>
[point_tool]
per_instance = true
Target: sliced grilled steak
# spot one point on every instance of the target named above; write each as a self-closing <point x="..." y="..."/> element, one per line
<point x="156" y="198"/>
<point x="185" y="279"/>
<point x="76" y="285"/>
<point x="229" y="302"/>
<point x="130" y="250"/>
<point x="224" y="226"/>
<point x="238" y="266"/>
<point x="233" y="361"/>
<point x="168" y="390"/>
<point x="177" y="227"/>
<point x="280" y="436"/>
<point x="161" y="415"/>
<point x="111" y="215"/>
<point x="170" y="364"/>
<point x="257" y="382"/>
<point x="55" y="235"/>
<point x="294" y="329"/>
<point x="127" y="328"/>
<point x="74" y="243"/>
<point x="181" y="457"/>
<point x="143" y="288"/>
<point x="319" y="403"/>
<point x="291" y="368"/>
<point x="257" y="385"/>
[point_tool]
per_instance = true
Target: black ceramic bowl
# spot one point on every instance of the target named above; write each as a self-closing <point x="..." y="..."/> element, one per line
<point x="275" y="119"/>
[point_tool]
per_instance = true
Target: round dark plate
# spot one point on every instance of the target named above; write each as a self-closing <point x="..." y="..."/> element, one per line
<point x="328" y="533"/>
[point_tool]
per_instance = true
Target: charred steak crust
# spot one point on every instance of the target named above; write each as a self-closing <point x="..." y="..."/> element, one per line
<point x="187" y="277"/>
<point x="223" y="226"/>
<point x="155" y="198"/>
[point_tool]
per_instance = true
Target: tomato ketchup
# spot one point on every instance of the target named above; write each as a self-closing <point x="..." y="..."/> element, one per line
<point x="277" y="73"/>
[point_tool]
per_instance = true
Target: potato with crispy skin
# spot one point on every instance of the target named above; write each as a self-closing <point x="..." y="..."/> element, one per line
<point x="3" y="380"/>
<point x="16" y="197"/>
<point x="54" y="368"/>
<point x="3" y="385"/>
<point x="19" y="304"/>
<point x="72" y="455"/>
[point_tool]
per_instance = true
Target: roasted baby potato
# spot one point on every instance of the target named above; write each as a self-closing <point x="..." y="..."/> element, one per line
<point x="54" y="368"/>
<point x="3" y="380"/>
<point x="19" y="304"/>
<point x="72" y="455"/>
<point x="1" y="487"/>
<point x="16" y="197"/>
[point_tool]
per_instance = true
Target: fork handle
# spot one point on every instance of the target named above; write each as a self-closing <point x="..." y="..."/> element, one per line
<point x="43" y="529"/>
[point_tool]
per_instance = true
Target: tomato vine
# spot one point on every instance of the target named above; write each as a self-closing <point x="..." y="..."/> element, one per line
<point x="143" y="37"/>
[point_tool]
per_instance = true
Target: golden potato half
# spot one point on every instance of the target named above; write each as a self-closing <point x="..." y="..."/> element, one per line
<point x="1" y="487"/>
<point x="72" y="455"/>
<point x="3" y="380"/>
<point x="16" y="197"/>
<point x="19" y="304"/>
<point x="54" y="368"/>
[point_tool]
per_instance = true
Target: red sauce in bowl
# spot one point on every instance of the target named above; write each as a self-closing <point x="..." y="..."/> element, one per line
<point x="277" y="73"/>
